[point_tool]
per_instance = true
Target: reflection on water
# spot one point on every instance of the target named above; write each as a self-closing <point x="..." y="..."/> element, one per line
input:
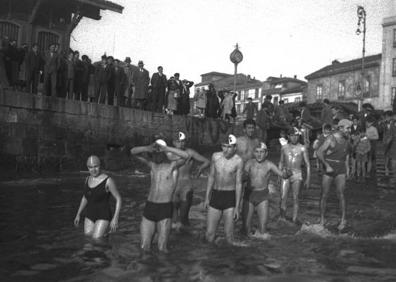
<point x="39" y="242"/>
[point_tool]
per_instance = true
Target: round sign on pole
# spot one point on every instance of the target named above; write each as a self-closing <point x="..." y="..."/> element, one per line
<point x="236" y="56"/>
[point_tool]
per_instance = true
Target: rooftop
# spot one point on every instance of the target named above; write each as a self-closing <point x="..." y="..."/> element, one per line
<point x="341" y="67"/>
<point x="242" y="80"/>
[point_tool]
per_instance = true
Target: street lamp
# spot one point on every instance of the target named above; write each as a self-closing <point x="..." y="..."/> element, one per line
<point x="236" y="57"/>
<point x="361" y="28"/>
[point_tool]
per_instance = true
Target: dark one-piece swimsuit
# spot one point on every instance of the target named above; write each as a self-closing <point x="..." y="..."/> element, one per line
<point x="98" y="206"/>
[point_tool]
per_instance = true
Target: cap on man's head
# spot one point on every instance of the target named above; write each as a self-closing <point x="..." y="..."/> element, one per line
<point x="344" y="122"/>
<point x="140" y="63"/>
<point x="262" y="146"/>
<point x="180" y="136"/>
<point x="127" y="59"/>
<point x="294" y="131"/>
<point x="230" y="140"/>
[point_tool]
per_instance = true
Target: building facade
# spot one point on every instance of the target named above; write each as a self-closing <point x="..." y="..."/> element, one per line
<point x="280" y="88"/>
<point x="343" y="81"/>
<point x="47" y="22"/>
<point x="387" y="85"/>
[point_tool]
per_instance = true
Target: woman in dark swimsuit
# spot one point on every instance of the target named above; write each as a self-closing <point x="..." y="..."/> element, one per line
<point x="97" y="190"/>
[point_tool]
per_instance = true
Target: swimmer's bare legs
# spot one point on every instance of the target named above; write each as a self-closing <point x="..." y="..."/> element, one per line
<point x="95" y="229"/>
<point x="248" y="215"/>
<point x="326" y="183"/>
<point x="147" y="230"/>
<point x="296" y="185"/>
<point x="163" y="227"/>
<point x="229" y="224"/>
<point x="340" y="188"/>
<point x="213" y="218"/>
<point x="285" y="185"/>
<point x="262" y="211"/>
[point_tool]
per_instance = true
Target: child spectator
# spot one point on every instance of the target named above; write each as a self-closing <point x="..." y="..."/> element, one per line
<point x="362" y="149"/>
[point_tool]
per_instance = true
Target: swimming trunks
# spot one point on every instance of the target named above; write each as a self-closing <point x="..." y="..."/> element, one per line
<point x="296" y="176"/>
<point x="256" y="197"/>
<point x="222" y="200"/>
<point x="98" y="205"/>
<point x="158" y="211"/>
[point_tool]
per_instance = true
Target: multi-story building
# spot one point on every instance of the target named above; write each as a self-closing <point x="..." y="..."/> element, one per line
<point x="387" y="85"/>
<point x="287" y="89"/>
<point x="281" y="88"/>
<point x="343" y="81"/>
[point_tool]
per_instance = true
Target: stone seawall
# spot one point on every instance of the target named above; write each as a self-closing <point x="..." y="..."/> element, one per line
<point x="40" y="132"/>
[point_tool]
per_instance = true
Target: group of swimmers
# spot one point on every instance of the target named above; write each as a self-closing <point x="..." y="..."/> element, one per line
<point x="238" y="181"/>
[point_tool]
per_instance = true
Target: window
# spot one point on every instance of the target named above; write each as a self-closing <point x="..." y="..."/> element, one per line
<point x="286" y="100"/>
<point x="393" y="92"/>
<point x="366" y="87"/>
<point x="45" y="39"/>
<point x="394" y="38"/>
<point x="319" y="92"/>
<point x="394" y="67"/>
<point x="297" y="99"/>
<point x="341" y="89"/>
<point x="10" y="30"/>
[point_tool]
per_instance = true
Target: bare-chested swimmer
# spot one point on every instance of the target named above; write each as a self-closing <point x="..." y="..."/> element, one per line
<point x="98" y="188"/>
<point x="224" y="189"/>
<point x="183" y="196"/>
<point x="258" y="172"/>
<point x="157" y="213"/>
<point x="245" y="149"/>
<point x="292" y="155"/>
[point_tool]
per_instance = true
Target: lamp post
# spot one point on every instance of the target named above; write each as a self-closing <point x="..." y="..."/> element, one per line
<point x="361" y="28"/>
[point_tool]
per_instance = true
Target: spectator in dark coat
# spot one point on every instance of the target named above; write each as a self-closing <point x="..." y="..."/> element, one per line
<point x="101" y="80"/>
<point x="78" y="76"/>
<point x="158" y="84"/>
<point x="183" y="106"/>
<point x="51" y="67"/>
<point x="120" y="82"/>
<point x="33" y="65"/>
<point x="141" y="80"/>
<point x="70" y="75"/>
<point x="86" y="71"/>
<point x="212" y="103"/>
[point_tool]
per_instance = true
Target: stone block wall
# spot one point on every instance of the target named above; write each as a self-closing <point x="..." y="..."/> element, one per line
<point x="40" y="132"/>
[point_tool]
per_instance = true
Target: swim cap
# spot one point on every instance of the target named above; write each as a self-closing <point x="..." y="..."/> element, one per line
<point x="160" y="142"/>
<point x="180" y="136"/>
<point x="262" y="146"/>
<point x="230" y="140"/>
<point x="294" y="131"/>
<point x="344" y="122"/>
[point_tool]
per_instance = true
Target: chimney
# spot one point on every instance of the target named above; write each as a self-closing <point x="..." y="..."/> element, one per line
<point x="280" y="76"/>
<point x="335" y="62"/>
<point x="248" y="76"/>
<point x="295" y="76"/>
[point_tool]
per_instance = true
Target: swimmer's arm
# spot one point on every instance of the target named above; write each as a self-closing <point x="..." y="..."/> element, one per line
<point x="238" y="185"/>
<point x="111" y="186"/>
<point x="282" y="158"/>
<point x="198" y="157"/>
<point x="142" y="149"/>
<point x="277" y="170"/>
<point x="82" y="206"/>
<point x="209" y="187"/>
<point x="175" y="151"/>
<point x="347" y="165"/>
<point x="307" y="164"/>
<point x="322" y="149"/>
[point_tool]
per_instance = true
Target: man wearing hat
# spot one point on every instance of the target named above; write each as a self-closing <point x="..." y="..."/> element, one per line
<point x="157" y="214"/>
<point x="141" y="80"/>
<point x="129" y="69"/>
<point x="334" y="153"/>
<point x="223" y="194"/>
<point x="291" y="160"/>
<point x="183" y="196"/>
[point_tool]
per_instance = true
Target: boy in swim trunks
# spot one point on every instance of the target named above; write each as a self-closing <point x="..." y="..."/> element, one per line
<point x="223" y="194"/>
<point x="183" y="196"/>
<point x="291" y="159"/>
<point x="256" y="195"/>
<point x="157" y="213"/>
<point x="334" y="153"/>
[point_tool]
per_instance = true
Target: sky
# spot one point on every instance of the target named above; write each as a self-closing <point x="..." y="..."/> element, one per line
<point x="192" y="37"/>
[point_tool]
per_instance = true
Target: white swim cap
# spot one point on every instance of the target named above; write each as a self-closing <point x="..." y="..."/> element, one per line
<point x="230" y="140"/>
<point x="261" y="146"/>
<point x="160" y="142"/>
<point x="180" y="136"/>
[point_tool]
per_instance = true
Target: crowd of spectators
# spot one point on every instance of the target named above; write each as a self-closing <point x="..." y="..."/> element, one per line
<point x="109" y="81"/>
